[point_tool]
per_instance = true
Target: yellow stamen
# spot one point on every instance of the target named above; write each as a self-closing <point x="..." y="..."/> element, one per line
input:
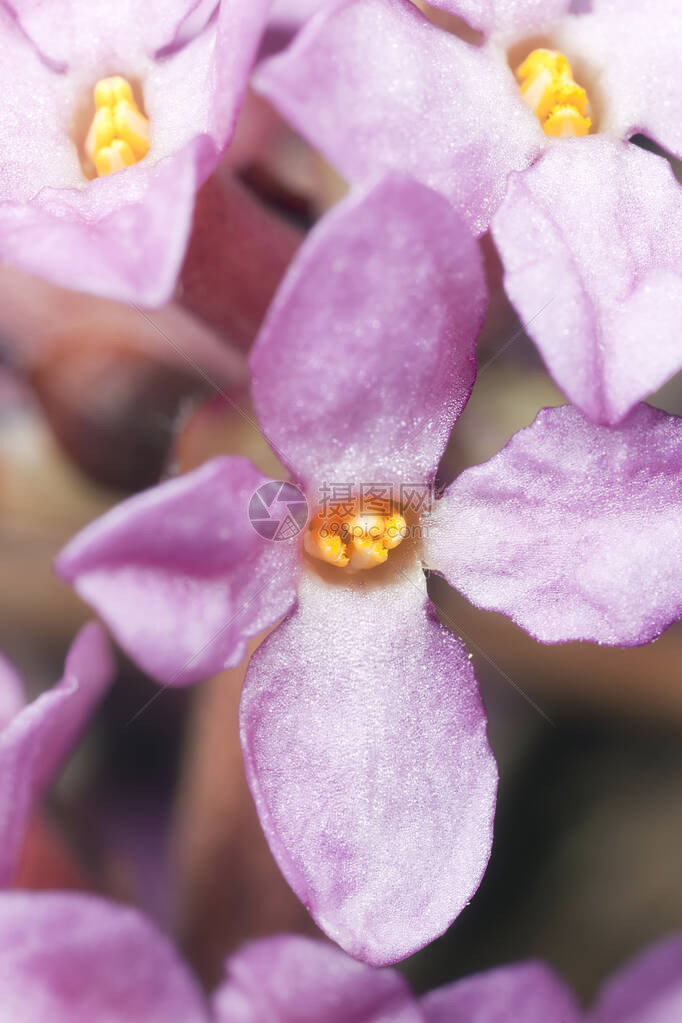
<point x="355" y="540"/>
<point x="366" y="553"/>
<point x="115" y="157"/>
<point x="396" y="531"/>
<point x="566" y="122"/>
<point x="326" y="548"/>
<point x="119" y="133"/>
<point x="549" y="90"/>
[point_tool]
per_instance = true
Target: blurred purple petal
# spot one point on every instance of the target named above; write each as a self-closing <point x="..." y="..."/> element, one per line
<point x="38" y="738"/>
<point x="180" y="574"/>
<point x="524" y="992"/>
<point x="365" y="747"/>
<point x="78" y="959"/>
<point x="296" y="980"/>
<point x="366" y="358"/>
<point x="11" y="691"/>
<point x="573" y="530"/>
<point x="648" y="990"/>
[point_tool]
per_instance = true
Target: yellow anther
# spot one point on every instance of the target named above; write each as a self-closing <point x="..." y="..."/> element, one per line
<point x="119" y="133"/>
<point x="548" y="89"/>
<point x="366" y="553"/>
<point x="132" y="127"/>
<point x="115" y="157"/>
<point x="326" y="548"/>
<point x="396" y="531"/>
<point x="566" y="122"/>
<point x="365" y="525"/>
<point x="110" y="90"/>
<point x="353" y="538"/>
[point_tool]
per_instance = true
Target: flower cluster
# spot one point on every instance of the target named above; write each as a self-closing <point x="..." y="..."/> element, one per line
<point x="460" y="126"/>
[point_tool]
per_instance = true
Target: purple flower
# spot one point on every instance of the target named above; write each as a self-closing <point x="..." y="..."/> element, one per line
<point x="71" y="958"/>
<point x="36" y="737"/>
<point x="167" y="84"/>
<point x="589" y="228"/>
<point x="363" y="732"/>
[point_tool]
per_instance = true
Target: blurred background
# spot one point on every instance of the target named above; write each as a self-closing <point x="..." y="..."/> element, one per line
<point x="98" y="401"/>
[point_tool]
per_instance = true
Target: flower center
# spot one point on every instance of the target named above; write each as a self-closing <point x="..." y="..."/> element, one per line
<point x="548" y="89"/>
<point x="119" y="134"/>
<point x="354" y="539"/>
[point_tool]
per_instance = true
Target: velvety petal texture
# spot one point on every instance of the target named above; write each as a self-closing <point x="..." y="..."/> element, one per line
<point x="296" y="980"/>
<point x="524" y="992"/>
<point x="633" y="49"/>
<point x="38" y="737"/>
<point x="365" y="747"/>
<point x="376" y="86"/>
<point x="66" y="33"/>
<point x="35" y="149"/>
<point x="590" y="238"/>
<point x="573" y="530"/>
<point x="67" y="958"/>
<point x="366" y="358"/>
<point x="505" y="16"/>
<point x="125" y="234"/>
<point x="649" y="990"/>
<point x="180" y="574"/>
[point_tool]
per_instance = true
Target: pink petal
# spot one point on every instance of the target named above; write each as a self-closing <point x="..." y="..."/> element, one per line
<point x="591" y="238"/>
<point x="296" y="980"/>
<point x="291" y="14"/>
<point x="648" y="990"/>
<point x="573" y="530"/>
<point x="365" y="747"/>
<point x="528" y="992"/>
<point x="366" y="358"/>
<point x="35" y="148"/>
<point x="11" y="691"/>
<point x="632" y="51"/>
<point x="517" y="16"/>
<point x="38" y="738"/>
<point x="240" y="27"/>
<point x="125" y="234"/>
<point x="71" y="33"/>
<point x="181" y="576"/>
<point x="78" y="959"/>
<point x="376" y="87"/>
<point x="201" y="87"/>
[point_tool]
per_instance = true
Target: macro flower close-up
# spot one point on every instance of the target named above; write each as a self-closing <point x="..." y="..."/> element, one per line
<point x="341" y="492"/>
<point x="361" y="725"/>
<point x="527" y="130"/>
